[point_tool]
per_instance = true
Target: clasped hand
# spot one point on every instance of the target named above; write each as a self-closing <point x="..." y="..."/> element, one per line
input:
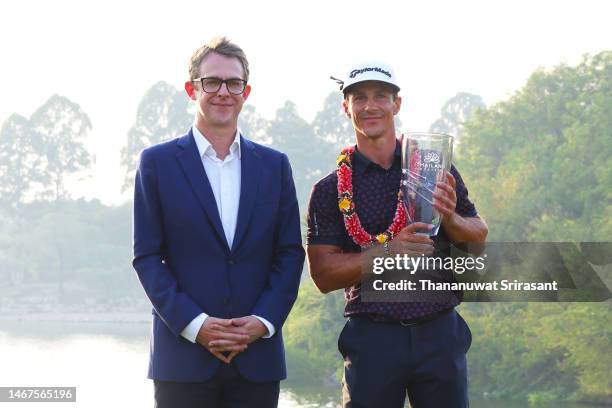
<point x="225" y="338"/>
<point x="407" y="241"/>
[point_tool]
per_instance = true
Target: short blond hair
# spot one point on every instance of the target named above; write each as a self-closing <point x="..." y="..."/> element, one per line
<point x="222" y="46"/>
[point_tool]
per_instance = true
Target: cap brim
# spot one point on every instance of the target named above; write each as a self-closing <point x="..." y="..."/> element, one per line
<point x="351" y="86"/>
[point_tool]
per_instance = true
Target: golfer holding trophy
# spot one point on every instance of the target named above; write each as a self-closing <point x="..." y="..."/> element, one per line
<point x="371" y="207"/>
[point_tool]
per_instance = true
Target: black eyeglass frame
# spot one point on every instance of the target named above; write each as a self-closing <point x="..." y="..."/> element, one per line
<point x="222" y="81"/>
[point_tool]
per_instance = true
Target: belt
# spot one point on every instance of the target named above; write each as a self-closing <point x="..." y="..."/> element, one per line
<point x="406" y="322"/>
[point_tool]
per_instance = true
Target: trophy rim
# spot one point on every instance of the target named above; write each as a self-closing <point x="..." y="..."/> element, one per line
<point x="438" y="134"/>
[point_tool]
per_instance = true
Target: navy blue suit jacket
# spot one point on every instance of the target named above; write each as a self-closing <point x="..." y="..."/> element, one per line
<point x="186" y="267"/>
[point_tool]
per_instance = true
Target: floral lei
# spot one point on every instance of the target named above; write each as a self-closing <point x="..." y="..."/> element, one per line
<point x="347" y="206"/>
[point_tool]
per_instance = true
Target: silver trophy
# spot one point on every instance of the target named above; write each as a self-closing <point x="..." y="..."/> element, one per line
<point x="425" y="159"/>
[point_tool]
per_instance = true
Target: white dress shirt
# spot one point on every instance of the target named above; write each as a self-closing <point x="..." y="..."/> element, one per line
<point x="224" y="178"/>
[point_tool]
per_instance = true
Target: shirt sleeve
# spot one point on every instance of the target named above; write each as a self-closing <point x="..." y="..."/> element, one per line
<point x="325" y="221"/>
<point x="191" y="331"/>
<point x="465" y="207"/>
<point x="269" y="326"/>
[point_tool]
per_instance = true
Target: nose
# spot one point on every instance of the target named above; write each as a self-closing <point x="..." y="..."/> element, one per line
<point x="223" y="91"/>
<point x="370" y="105"/>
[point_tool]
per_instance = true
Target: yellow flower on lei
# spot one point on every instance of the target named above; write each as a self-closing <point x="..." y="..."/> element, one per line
<point x="344" y="204"/>
<point x="381" y="238"/>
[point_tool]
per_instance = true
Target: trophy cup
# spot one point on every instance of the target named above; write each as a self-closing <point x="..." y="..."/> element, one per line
<point x="425" y="159"/>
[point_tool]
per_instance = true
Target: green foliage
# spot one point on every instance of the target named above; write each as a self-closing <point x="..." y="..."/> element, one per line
<point x="60" y="129"/>
<point x="163" y="114"/>
<point x="540" y="164"/>
<point x="455" y="112"/>
<point x="39" y="155"/>
<point x="311" y="334"/>
<point x="331" y="124"/>
<point x="540" y="351"/>
<point x="20" y="160"/>
<point x="311" y="157"/>
<point x="73" y="247"/>
<point x="253" y="126"/>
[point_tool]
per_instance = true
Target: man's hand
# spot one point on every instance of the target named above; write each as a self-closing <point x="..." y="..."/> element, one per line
<point x="459" y="229"/>
<point x="250" y="326"/>
<point x="234" y="339"/>
<point x="407" y="241"/>
<point x="445" y="198"/>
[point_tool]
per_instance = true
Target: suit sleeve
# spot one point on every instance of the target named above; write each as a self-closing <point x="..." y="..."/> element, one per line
<point x="277" y="299"/>
<point x="175" y="307"/>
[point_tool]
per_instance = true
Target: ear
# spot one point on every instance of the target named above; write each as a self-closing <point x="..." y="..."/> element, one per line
<point x="247" y="92"/>
<point x="398" y="105"/>
<point x="190" y="89"/>
<point x="346" y="108"/>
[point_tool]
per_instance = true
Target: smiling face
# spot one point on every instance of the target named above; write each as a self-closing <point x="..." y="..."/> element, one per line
<point x="218" y="110"/>
<point x="371" y="106"/>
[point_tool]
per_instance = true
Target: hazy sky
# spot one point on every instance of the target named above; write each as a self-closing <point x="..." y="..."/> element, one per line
<point x="105" y="55"/>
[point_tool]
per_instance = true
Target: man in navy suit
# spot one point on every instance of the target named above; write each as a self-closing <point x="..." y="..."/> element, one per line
<point x="217" y="248"/>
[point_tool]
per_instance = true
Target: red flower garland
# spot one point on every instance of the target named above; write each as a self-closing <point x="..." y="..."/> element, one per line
<point x="347" y="206"/>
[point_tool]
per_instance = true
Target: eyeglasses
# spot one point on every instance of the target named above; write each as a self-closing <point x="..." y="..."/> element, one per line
<point x="235" y="86"/>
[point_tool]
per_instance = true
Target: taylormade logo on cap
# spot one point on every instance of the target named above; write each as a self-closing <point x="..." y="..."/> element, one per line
<point x="362" y="70"/>
<point x="368" y="71"/>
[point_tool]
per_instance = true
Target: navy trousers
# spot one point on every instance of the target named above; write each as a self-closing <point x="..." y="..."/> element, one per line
<point x="227" y="389"/>
<point x="384" y="362"/>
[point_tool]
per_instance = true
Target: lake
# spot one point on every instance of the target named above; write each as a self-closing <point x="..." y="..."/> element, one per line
<point x="107" y="362"/>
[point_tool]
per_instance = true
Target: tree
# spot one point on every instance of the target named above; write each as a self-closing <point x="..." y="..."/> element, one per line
<point x="253" y="126"/>
<point x="331" y="124"/>
<point x="60" y="129"/>
<point x="20" y="161"/>
<point x="163" y="113"/>
<point x="540" y="164"/>
<point x="310" y="156"/>
<point x="455" y="112"/>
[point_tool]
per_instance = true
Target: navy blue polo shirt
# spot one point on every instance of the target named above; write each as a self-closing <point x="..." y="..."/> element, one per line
<point x="375" y="196"/>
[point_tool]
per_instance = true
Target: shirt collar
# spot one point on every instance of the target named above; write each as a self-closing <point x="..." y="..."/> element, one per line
<point x="361" y="163"/>
<point x="205" y="148"/>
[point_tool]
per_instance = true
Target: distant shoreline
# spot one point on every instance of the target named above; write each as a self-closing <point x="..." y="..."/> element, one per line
<point x="104" y="317"/>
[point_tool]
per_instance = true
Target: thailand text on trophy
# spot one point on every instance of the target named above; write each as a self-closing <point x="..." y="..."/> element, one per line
<point x="425" y="159"/>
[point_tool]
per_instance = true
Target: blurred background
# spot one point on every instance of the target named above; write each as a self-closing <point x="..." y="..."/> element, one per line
<point x="526" y="87"/>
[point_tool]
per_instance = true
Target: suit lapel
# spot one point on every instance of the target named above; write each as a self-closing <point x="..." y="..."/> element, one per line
<point x="191" y="162"/>
<point x="249" y="185"/>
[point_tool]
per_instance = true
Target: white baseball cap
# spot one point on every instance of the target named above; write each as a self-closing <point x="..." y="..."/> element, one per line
<point x="368" y="71"/>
